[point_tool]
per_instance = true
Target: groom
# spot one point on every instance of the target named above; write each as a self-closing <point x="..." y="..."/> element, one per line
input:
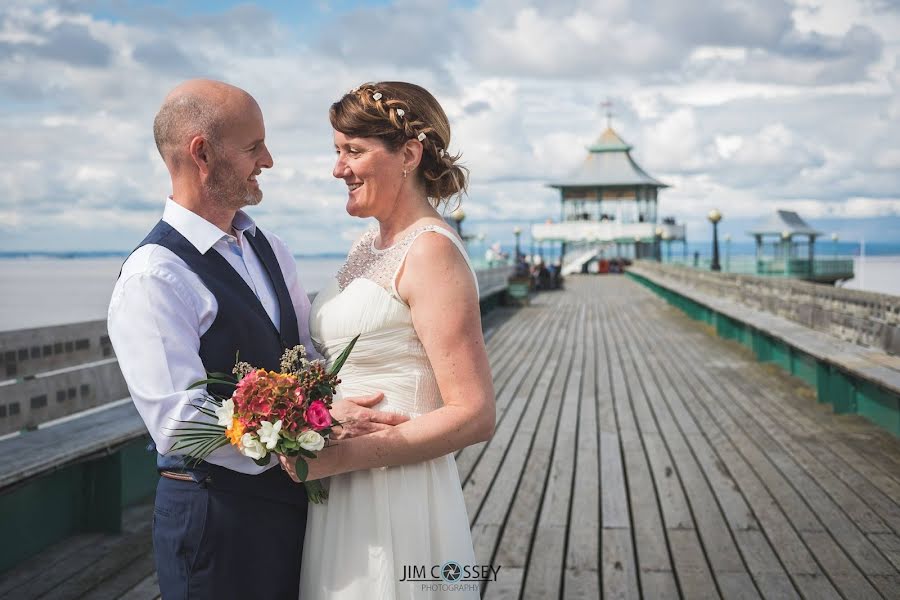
<point x="203" y="286"/>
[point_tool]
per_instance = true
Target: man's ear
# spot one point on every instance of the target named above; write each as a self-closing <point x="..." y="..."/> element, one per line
<point x="200" y="153"/>
<point x="412" y="154"/>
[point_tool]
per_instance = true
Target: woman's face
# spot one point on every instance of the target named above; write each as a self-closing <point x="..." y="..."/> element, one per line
<point x="373" y="174"/>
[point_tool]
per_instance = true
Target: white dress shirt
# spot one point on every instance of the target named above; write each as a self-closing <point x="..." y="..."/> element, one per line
<point x="160" y="309"/>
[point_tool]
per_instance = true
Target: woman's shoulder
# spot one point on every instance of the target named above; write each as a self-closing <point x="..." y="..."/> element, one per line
<point x="444" y="233"/>
<point x="435" y="243"/>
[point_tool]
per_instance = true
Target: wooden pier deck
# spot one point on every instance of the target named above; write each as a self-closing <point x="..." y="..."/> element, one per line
<point x="635" y="455"/>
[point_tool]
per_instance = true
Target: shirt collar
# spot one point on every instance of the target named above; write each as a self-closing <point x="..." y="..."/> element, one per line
<point x="202" y="234"/>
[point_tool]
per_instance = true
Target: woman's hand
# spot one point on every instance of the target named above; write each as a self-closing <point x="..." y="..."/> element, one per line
<point x="323" y="465"/>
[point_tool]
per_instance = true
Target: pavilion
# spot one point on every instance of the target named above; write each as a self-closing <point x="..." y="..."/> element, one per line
<point x="608" y="202"/>
<point x="788" y="233"/>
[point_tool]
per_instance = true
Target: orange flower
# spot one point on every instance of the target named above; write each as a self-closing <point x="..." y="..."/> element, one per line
<point x="235" y="432"/>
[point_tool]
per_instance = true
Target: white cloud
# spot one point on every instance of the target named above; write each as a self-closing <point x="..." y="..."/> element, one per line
<point x="743" y="106"/>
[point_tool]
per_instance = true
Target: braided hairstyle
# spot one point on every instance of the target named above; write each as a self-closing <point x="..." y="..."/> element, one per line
<point x="396" y="112"/>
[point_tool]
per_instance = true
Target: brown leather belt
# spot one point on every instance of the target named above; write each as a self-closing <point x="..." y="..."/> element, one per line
<point x="176" y="475"/>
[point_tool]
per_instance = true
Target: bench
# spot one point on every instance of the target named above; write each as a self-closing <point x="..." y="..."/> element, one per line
<point x="72" y="476"/>
<point x="518" y="290"/>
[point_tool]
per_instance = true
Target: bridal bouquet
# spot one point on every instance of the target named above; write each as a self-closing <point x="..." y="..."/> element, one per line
<point x="286" y="413"/>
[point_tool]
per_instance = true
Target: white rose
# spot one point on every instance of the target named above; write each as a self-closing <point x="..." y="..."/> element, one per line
<point x="311" y="440"/>
<point x="252" y="447"/>
<point x="225" y="413"/>
<point x="268" y="433"/>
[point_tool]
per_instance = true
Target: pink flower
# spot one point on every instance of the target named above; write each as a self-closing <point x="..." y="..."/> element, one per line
<point x="299" y="396"/>
<point x="317" y="415"/>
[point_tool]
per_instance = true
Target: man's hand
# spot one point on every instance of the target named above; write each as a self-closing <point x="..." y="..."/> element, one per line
<point x="357" y="417"/>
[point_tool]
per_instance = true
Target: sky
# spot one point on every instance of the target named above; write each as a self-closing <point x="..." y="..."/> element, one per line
<point x="747" y="106"/>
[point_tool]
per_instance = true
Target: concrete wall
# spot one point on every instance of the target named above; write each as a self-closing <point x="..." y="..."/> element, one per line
<point x="25" y="352"/>
<point x="864" y="318"/>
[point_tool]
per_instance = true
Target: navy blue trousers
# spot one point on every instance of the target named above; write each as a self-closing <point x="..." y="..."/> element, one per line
<point x="229" y="536"/>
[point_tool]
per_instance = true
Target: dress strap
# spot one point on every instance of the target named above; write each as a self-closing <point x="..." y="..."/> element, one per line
<point x="447" y="234"/>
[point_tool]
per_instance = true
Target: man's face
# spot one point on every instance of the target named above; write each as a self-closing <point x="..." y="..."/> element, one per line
<point x="239" y="156"/>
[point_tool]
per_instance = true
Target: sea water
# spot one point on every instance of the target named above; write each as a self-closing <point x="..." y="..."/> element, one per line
<point x="36" y="292"/>
<point x="41" y="291"/>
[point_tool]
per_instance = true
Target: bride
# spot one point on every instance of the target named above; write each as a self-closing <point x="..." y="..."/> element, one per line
<point x="395" y="500"/>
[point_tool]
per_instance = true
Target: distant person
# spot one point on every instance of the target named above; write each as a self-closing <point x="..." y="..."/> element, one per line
<point x="206" y="284"/>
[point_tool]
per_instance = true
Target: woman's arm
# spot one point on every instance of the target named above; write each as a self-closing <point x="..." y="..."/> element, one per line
<point x="437" y="284"/>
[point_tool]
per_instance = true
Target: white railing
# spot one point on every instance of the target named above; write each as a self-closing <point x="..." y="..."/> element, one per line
<point x="608" y="231"/>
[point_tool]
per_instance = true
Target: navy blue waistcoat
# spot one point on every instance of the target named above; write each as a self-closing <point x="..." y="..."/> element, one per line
<point x="242" y="328"/>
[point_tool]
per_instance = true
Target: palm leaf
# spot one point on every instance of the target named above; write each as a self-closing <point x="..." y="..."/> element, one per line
<point x="342" y="358"/>
<point x="210" y="381"/>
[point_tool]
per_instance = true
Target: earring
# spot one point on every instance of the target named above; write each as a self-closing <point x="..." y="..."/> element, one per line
<point x="404" y="173"/>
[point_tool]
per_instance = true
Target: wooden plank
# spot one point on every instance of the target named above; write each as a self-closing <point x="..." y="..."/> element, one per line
<point x="655" y="569"/>
<point x="87" y="569"/>
<point x="516" y="538"/>
<point x="889" y="544"/>
<point x="147" y="589"/>
<point x="724" y="548"/>
<point x="122" y="580"/>
<point x="720" y="548"/>
<point x="514" y="400"/>
<point x="508" y="585"/>
<point x="582" y="578"/>
<point x="780" y="457"/>
<point x="547" y="560"/>
<point x="786" y="542"/>
<point x="619" y="568"/>
<point x="506" y="366"/>
<point x="48" y="560"/>
<point x="489" y="521"/>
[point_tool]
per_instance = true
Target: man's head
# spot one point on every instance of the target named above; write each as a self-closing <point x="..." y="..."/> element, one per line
<point x="211" y="136"/>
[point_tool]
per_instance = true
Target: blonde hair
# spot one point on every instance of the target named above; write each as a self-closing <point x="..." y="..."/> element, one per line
<point x="395" y="112"/>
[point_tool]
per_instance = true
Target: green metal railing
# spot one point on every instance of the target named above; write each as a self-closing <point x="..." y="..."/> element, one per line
<point x="798" y="268"/>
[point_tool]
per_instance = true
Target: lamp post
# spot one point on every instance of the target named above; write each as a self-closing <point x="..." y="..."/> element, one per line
<point x="517" y="231"/>
<point x="714" y="217"/>
<point x="727" y="238"/>
<point x="458" y="216"/>
<point x="834" y="241"/>
<point x="658" y="243"/>
<point x="668" y="240"/>
<point x="637" y="240"/>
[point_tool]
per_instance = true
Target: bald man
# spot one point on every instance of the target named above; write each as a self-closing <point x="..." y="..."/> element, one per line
<point x="203" y="286"/>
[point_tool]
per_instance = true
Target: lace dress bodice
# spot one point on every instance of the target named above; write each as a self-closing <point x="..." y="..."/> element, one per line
<point x="363" y="299"/>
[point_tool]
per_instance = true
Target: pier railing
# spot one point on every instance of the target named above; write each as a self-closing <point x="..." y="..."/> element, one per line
<point x="828" y="269"/>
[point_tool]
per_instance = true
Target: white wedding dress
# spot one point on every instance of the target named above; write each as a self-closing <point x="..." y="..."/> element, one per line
<point x="377" y="524"/>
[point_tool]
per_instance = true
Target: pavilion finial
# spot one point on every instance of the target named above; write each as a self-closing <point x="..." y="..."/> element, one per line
<point x="607" y="106"/>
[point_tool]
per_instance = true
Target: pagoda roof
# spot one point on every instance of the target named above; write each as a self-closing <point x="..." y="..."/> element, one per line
<point x="608" y="164"/>
<point x="784" y="221"/>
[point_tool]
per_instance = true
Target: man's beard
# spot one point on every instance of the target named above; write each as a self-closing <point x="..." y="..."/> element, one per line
<point x="227" y="189"/>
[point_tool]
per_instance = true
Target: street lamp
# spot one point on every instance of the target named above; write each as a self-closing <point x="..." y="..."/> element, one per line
<point x="727" y="238"/>
<point x="637" y="240"/>
<point x="834" y="240"/>
<point x="658" y="244"/>
<point x="458" y="216"/>
<point x="517" y="231"/>
<point x="714" y="217"/>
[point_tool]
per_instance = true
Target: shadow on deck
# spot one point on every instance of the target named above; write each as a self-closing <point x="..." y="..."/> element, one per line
<point x="635" y="455"/>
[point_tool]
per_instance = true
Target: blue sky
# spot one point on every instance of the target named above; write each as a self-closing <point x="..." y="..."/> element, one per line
<point x="746" y="106"/>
